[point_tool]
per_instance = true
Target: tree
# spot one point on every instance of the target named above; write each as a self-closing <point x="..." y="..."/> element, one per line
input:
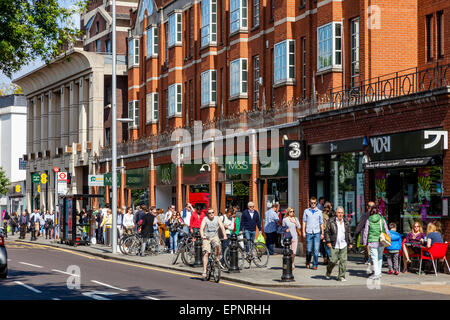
<point x="4" y="182"/>
<point x="12" y="88"/>
<point x="31" y="29"/>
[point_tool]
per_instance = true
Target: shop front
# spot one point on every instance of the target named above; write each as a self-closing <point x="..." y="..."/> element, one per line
<point x="276" y="187"/>
<point x="165" y="188"/>
<point x="407" y="171"/>
<point x="237" y="187"/>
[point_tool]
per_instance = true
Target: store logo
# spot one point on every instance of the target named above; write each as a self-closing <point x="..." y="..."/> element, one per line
<point x="333" y="147"/>
<point x="438" y="135"/>
<point x="381" y="144"/>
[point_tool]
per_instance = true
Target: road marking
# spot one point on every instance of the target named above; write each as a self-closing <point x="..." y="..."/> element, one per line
<point x="69" y="274"/>
<point x="152" y="298"/>
<point x="107" y="285"/>
<point x="31" y="265"/>
<point x="60" y="249"/>
<point x="28" y="287"/>
<point x="56" y="299"/>
<point x="97" y="294"/>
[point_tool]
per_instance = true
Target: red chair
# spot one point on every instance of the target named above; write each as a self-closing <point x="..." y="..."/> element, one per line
<point x="436" y="251"/>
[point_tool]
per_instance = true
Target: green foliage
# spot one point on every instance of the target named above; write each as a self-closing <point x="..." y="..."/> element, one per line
<point x="11" y="88"/>
<point x="4" y="182"/>
<point x="31" y="29"/>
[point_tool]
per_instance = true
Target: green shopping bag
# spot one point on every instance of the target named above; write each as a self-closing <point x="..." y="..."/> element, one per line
<point x="260" y="239"/>
<point x="8" y="229"/>
<point x="358" y="243"/>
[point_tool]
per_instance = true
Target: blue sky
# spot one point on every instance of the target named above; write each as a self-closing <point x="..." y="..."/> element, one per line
<point x="37" y="63"/>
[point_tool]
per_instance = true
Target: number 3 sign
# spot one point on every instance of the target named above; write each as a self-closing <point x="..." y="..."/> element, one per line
<point x="294" y="150"/>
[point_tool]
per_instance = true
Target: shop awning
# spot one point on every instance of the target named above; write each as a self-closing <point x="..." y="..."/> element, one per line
<point x="413" y="162"/>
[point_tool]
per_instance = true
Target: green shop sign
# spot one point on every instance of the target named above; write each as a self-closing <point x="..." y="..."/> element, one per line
<point x="137" y="178"/>
<point x="108" y="179"/>
<point x="36" y="178"/>
<point x="238" y="164"/>
<point x="166" y="173"/>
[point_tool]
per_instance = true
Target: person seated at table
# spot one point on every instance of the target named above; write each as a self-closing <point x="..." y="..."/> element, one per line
<point x="433" y="236"/>
<point x="413" y="241"/>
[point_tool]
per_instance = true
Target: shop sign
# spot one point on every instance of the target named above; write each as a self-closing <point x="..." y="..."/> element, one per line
<point x="165" y="174"/>
<point x="413" y="144"/>
<point x="137" y="178"/>
<point x="340" y="146"/>
<point x="107" y="178"/>
<point x="36" y="178"/>
<point x="238" y="164"/>
<point x="294" y="150"/>
<point x="96" y="180"/>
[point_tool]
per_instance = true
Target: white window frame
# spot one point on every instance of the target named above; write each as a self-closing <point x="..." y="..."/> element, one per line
<point x="284" y="62"/>
<point x="354" y="50"/>
<point x="238" y="77"/>
<point x="152" y="107"/>
<point x="209" y="88"/>
<point x="133" y="52"/>
<point x="238" y="16"/>
<point x="175" y="100"/>
<point x="133" y="113"/>
<point x="256" y="75"/>
<point x="209" y="22"/>
<point x="326" y="45"/>
<point x="255" y="13"/>
<point x="152" y="42"/>
<point x="175" y="29"/>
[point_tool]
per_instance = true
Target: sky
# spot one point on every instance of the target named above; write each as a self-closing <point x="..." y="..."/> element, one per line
<point x="37" y="63"/>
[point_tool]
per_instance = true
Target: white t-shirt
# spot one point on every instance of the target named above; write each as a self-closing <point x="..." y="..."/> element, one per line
<point x="128" y="220"/>
<point x="340" y="238"/>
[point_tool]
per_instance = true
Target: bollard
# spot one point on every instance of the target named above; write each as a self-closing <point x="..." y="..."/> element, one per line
<point x="287" y="261"/>
<point x="234" y="267"/>
<point x="198" y="250"/>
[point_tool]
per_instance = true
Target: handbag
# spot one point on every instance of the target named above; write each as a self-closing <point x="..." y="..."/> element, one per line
<point x="384" y="238"/>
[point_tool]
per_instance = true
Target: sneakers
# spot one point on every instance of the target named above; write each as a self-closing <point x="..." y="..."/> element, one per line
<point x="342" y="279"/>
<point x="328" y="276"/>
<point x="374" y="277"/>
<point x="396" y="273"/>
<point x="314" y="268"/>
<point x="390" y="272"/>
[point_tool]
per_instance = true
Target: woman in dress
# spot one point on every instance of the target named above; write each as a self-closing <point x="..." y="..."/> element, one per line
<point x="291" y="222"/>
<point x="413" y="241"/>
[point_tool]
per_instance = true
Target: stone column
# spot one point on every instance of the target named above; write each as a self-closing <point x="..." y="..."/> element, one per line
<point x="64" y="116"/>
<point x="44" y="124"/>
<point x="51" y="123"/>
<point x="37" y="125"/>
<point x="82" y="111"/>
<point x="95" y="119"/>
<point x="30" y="127"/>
<point x="28" y="189"/>
<point x="73" y="111"/>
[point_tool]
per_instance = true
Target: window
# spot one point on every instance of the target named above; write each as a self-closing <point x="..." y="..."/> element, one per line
<point x="238" y="77"/>
<point x="97" y="26"/>
<point x="175" y="29"/>
<point x="209" y="22"/>
<point x="133" y="113"/>
<point x="152" y="107"/>
<point x="191" y="100"/>
<point x="166" y="30"/>
<point x="152" y="42"/>
<point x="107" y="137"/>
<point x="255" y="13"/>
<point x="133" y="52"/>
<point x="175" y="100"/>
<point x="209" y="87"/>
<point x="429" y="37"/>
<point x="98" y="45"/>
<point x="191" y="32"/>
<point x="108" y="45"/>
<point x="439" y="26"/>
<point x="238" y="15"/>
<point x="303" y="67"/>
<point x="329" y="51"/>
<point x="354" y="43"/>
<point x="272" y="9"/>
<point x="255" y="82"/>
<point x="284" y="61"/>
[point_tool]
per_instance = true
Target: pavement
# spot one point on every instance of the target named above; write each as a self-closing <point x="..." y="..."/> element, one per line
<point x="270" y="276"/>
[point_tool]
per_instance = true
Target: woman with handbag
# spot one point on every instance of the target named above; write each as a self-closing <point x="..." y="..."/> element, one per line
<point x="294" y="228"/>
<point x="376" y="235"/>
<point x="173" y="224"/>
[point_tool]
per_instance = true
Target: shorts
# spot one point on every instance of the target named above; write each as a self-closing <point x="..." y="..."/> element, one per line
<point x="206" y="244"/>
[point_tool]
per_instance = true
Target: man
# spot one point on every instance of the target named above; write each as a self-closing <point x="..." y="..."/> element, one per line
<point x="49" y="221"/>
<point x="6" y="218"/>
<point x="186" y="216"/>
<point x="271" y="223"/>
<point x="321" y="203"/>
<point x="209" y="231"/>
<point x="360" y="228"/>
<point x="337" y="236"/>
<point x="250" y="220"/>
<point x="312" y="230"/>
<point x="238" y="212"/>
<point x="34" y="224"/>
<point x="147" y="227"/>
<point x="23" y="223"/>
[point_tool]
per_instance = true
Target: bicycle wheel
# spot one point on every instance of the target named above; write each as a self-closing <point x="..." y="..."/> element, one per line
<point x="209" y="268"/>
<point x="241" y="257"/>
<point x="260" y="254"/>
<point x="177" y="254"/>
<point x="132" y="245"/>
<point x="121" y="242"/>
<point x="216" y="271"/>
<point x="188" y="254"/>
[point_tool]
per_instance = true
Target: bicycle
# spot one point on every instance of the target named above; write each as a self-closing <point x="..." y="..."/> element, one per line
<point x="132" y="245"/>
<point x="258" y="253"/>
<point x="213" y="266"/>
<point x="185" y="249"/>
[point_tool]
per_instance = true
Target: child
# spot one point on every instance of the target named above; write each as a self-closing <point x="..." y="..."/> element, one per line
<point x="394" y="249"/>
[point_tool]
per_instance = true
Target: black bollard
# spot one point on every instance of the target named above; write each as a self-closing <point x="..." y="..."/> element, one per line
<point x="198" y="250"/>
<point x="234" y="261"/>
<point x="287" y="261"/>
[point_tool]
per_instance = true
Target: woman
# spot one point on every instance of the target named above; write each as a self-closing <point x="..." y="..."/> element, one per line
<point x="14" y="222"/>
<point x="433" y="235"/>
<point x="174" y="223"/>
<point x="371" y="236"/>
<point x="128" y="221"/>
<point x="291" y="222"/>
<point x="107" y="224"/>
<point x="413" y="241"/>
<point x="326" y="215"/>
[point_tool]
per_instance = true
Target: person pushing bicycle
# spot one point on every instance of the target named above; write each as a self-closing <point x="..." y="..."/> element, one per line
<point x="209" y="231"/>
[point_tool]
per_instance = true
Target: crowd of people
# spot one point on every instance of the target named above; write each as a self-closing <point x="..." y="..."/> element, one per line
<point x="37" y="223"/>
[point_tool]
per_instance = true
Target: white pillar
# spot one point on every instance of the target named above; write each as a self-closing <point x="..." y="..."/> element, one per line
<point x="37" y="125"/>
<point x="30" y="126"/>
<point x="95" y="119"/>
<point x="44" y="115"/>
<point x="82" y="114"/>
<point x="73" y="122"/>
<point x="64" y="116"/>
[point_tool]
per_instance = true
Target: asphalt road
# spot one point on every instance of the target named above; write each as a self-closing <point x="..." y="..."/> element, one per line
<point x="40" y="273"/>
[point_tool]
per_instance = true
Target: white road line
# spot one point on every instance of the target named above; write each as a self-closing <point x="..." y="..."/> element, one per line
<point x="151" y="298"/>
<point x="107" y="285"/>
<point x="28" y="287"/>
<point x="32" y="265"/>
<point x="69" y="274"/>
<point x="56" y="299"/>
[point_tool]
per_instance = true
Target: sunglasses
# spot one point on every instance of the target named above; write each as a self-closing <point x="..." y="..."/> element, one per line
<point x="312" y="202"/>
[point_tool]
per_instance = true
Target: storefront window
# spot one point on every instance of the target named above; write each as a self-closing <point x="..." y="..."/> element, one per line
<point x="278" y="188"/>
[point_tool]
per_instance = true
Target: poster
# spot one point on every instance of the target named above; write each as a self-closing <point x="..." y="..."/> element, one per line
<point x="350" y="207"/>
<point x="380" y="191"/>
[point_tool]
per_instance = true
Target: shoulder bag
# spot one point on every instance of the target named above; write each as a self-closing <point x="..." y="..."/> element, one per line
<point x="384" y="238"/>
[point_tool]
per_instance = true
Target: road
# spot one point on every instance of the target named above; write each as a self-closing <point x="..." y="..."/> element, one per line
<point x="42" y="273"/>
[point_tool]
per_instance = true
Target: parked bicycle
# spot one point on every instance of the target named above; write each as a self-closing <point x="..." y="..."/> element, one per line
<point x="185" y="248"/>
<point x="132" y="245"/>
<point x="258" y="253"/>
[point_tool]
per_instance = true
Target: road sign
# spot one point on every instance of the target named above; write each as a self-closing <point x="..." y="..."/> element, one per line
<point x="96" y="180"/>
<point x="36" y="178"/>
<point x="62" y="176"/>
<point x="62" y="187"/>
<point x="56" y="169"/>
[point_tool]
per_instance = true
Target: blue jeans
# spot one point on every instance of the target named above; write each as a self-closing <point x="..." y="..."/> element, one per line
<point x="312" y="247"/>
<point x="271" y="238"/>
<point x="376" y="254"/>
<point x="250" y="236"/>
<point x="173" y="241"/>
